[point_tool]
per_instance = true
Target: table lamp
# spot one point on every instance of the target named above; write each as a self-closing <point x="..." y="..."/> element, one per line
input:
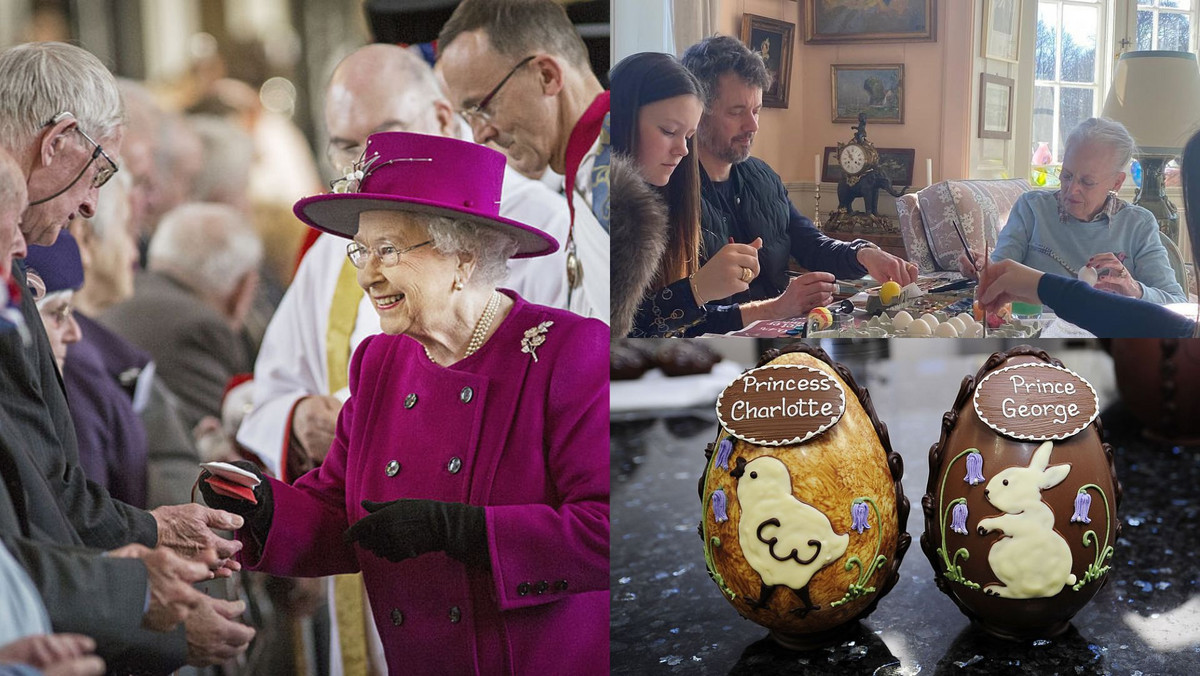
<point x="1156" y="95"/>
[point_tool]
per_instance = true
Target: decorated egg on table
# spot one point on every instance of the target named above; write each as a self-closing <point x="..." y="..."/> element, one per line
<point x="803" y="514"/>
<point x="1021" y="506"/>
<point x="820" y="318"/>
<point x="889" y="293"/>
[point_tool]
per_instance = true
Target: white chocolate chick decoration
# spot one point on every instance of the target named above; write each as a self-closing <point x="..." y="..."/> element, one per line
<point x="784" y="540"/>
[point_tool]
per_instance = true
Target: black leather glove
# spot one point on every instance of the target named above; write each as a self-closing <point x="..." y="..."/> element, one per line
<point x="402" y="529"/>
<point x="258" y="516"/>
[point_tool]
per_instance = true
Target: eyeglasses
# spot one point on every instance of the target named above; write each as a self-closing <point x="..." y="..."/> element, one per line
<point x="103" y="173"/>
<point x="387" y="253"/>
<point x="62" y="315"/>
<point x="478" y="112"/>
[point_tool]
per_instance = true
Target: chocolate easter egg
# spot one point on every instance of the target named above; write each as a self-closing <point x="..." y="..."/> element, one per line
<point x="804" y="517"/>
<point x="1021" y="506"/>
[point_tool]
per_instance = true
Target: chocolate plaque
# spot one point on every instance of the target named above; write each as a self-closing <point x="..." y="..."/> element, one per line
<point x="779" y="405"/>
<point x="1036" y="402"/>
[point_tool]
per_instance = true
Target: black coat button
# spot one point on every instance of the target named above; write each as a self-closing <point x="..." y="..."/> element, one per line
<point x="397" y="617"/>
<point x="561" y="585"/>
<point x="523" y="589"/>
<point x="455" y="615"/>
<point x="410" y="400"/>
<point x="542" y="587"/>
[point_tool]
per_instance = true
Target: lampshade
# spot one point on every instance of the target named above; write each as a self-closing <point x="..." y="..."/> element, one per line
<point x="1156" y="95"/>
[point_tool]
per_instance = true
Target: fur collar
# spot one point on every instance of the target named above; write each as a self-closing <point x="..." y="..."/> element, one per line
<point x="638" y="219"/>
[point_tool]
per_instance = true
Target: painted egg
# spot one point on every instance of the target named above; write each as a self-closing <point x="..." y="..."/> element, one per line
<point x="889" y="293"/>
<point x="803" y="514"/>
<point x="902" y="320"/>
<point x="820" y="318"/>
<point x="1021" y="506"/>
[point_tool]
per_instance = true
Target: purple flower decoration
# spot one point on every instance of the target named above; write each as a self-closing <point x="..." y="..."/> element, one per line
<point x="723" y="452"/>
<point x="858" y="516"/>
<point x="718" y="502"/>
<point x="958" y="519"/>
<point x="1083" y="502"/>
<point x="974" y="469"/>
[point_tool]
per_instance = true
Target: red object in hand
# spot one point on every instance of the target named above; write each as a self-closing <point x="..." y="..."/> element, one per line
<point x="231" y="490"/>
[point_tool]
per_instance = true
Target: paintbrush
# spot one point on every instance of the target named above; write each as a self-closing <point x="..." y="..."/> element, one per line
<point x="985" y="264"/>
<point x="962" y="238"/>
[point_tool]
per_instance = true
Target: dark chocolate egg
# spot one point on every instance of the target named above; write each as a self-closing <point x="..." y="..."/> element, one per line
<point x="804" y="517"/>
<point x="1021" y="506"/>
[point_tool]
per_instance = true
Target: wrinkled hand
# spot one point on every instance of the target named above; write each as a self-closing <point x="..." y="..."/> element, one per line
<point x="1006" y="281"/>
<point x="884" y="267"/>
<point x="213" y="635"/>
<point x="403" y="529"/>
<point x="170" y="576"/>
<point x="58" y="654"/>
<point x="314" y="421"/>
<point x="970" y="266"/>
<point x="188" y="529"/>
<point x="721" y="276"/>
<point x="1114" y="276"/>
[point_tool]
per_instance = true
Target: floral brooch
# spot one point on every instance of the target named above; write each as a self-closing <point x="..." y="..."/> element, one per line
<point x="534" y="337"/>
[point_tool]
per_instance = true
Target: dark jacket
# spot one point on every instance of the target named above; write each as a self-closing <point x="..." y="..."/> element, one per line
<point x="761" y="208"/>
<point x="53" y="519"/>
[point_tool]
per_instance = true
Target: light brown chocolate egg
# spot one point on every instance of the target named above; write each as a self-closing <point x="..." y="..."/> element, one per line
<point x="807" y="537"/>
<point x="1020" y="532"/>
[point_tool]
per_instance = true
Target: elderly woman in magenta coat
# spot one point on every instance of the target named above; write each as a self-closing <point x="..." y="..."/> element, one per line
<point x="468" y="479"/>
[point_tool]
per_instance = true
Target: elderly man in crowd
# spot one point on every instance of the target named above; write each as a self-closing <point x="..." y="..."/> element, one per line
<point x="186" y="309"/>
<point x="744" y="200"/>
<point x="60" y="111"/>
<point x="519" y="73"/>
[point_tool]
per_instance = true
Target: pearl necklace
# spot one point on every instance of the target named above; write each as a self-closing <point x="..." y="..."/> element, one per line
<point x="481" y="327"/>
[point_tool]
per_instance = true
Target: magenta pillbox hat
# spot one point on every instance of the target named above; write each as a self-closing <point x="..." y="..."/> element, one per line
<point x="423" y="174"/>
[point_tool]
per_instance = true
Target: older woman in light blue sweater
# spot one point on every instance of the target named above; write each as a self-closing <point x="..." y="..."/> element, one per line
<point x="1085" y="224"/>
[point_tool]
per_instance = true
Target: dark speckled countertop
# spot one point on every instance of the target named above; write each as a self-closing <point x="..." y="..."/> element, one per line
<point x="668" y="617"/>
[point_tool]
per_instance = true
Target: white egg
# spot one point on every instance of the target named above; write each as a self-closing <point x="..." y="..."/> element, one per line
<point x="918" y="328"/>
<point x="946" y="330"/>
<point x="957" y="324"/>
<point x="967" y="318"/>
<point x="975" y="331"/>
<point x="929" y="319"/>
<point x="902" y="320"/>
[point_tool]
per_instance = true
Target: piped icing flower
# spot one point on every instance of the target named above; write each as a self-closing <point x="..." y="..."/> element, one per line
<point x="974" y="469"/>
<point x="858" y="516"/>
<point x="724" y="449"/>
<point x="718" y="506"/>
<point x="958" y="519"/>
<point x="1083" y="502"/>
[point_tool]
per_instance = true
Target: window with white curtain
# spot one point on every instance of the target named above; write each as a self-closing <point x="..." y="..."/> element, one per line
<point x="1077" y="45"/>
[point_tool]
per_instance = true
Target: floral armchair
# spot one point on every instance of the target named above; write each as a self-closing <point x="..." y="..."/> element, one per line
<point x="926" y="218"/>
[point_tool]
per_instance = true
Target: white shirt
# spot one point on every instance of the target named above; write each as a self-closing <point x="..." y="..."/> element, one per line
<point x="591" y="245"/>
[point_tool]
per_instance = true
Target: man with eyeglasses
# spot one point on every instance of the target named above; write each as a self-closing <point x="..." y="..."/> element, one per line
<point x="518" y="72"/>
<point x="60" y="119"/>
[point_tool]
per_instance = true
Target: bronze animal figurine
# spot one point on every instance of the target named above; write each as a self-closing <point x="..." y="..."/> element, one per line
<point x="867" y="187"/>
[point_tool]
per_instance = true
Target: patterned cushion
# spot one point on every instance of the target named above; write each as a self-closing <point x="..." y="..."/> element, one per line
<point x="980" y="207"/>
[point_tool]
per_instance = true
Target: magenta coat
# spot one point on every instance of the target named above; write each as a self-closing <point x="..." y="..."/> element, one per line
<point x="525" y="439"/>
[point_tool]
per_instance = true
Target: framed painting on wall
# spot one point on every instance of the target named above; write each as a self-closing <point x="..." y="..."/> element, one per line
<point x="995" y="106"/>
<point x="772" y="40"/>
<point x="896" y="163"/>
<point x="828" y="22"/>
<point x="874" y="90"/>
<point x="1002" y="30"/>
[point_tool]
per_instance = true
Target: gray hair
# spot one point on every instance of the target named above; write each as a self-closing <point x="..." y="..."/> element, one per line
<point x="490" y="246"/>
<point x="228" y="154"/>
<point x="714" y="56"/>
<point x="42" y="79"/>
<point x="208" y="247"/>
<point x="518" y="28"/>
<point x="1103" y="131"/>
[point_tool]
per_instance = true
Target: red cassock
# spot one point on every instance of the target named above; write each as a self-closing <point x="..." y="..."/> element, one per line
<point x="526" y="439"/>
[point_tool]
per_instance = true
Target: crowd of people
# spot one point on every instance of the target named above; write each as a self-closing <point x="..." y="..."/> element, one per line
<point x="706" y="234"/>
<point x="427" y="416"/>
